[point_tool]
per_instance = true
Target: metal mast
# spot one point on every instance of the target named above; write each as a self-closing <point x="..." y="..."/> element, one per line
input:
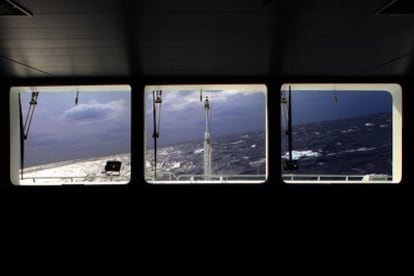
<point x="207" y="144"/>
<point x="156" y="108"/>
<point x="290" y="164"/>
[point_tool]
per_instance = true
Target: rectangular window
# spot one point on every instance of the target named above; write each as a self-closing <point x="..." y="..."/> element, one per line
<point x="341" y="133"/>
<point x="70" y="135"/>
<point x="205" y="134"/>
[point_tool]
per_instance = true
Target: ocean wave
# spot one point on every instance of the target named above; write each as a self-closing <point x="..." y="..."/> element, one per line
<point x="349" y="130"/>
<point x="257" y="163"/>
<point x="198" y="151"/>
<point x="298" y="154"/>
<point x="79" y="170"/>
<point x="237" y="142"/>
<point x="361" y="149"/>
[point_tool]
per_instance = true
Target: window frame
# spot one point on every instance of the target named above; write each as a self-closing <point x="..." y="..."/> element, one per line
<point x="241" y="87"/>
<point x="15" y="135"/>
<point x="396" y="92"/>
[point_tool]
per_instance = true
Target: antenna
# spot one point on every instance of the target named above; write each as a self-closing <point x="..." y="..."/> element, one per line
<point x="77" y="97"/>
<point x="335" y="96"/>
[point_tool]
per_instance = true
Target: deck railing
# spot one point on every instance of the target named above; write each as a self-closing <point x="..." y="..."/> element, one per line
<point x="336" y="178"/>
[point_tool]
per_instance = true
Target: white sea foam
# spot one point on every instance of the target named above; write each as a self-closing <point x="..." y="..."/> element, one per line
<point x="78" y="171"/>
<point x="361" y="149"/>
<point x="369" y="125"/>
<point x="298" y="154"/>
<point x="257" y="163"/>
<point x="198" y="151"/>
<point x="349" y="130"/>
<point x="175" y="165"/>
<point x="237" y="142"/>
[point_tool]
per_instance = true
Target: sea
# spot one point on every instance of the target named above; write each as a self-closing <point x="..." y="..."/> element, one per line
<point x="352" y="146"/>
<point x="236" y="154"/>
<point x="85" y="171"/>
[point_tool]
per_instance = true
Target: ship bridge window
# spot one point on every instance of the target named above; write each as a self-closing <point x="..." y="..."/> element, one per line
<point x="205" y="134"/>
<point x="341" y="133"/>
<point x="70" y="135"/>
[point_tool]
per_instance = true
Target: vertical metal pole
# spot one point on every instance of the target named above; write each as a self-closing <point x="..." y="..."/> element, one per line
<point x="290" y="126"/>
<point x="154" y="135"/>
<point x="207" y="145"/>
<point x="22" y="138"/>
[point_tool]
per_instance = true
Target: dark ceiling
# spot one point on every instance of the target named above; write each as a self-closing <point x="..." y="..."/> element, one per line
<point x="155" y="38"/>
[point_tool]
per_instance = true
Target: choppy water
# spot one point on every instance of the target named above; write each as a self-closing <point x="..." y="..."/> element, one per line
<point x="361" y="145"/>
<point x="241" y="154"/>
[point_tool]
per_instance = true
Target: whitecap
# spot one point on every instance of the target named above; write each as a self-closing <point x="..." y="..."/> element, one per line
<point x="237" y="142"/>
<point x="198" y="151"/>
<point x="175" y="165"/>
<point x="253" y="146"/>
<point x="349" y="130"/>
<point x="361" y="149"/>
<point x="297" y="154"/>
<point x="257" y="163"/>
<point x="369" y="125"/>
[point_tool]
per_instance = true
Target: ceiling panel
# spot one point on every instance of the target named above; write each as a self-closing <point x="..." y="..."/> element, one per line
<point x="205" y="38"/>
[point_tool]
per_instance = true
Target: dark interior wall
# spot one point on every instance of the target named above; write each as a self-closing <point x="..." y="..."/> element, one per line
<point x="113" y="227"/>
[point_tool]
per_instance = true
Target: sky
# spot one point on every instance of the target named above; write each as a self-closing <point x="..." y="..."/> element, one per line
<point x="183" y="115"/>
<point x="314" y="106"/>
<point x="98" y="126"/>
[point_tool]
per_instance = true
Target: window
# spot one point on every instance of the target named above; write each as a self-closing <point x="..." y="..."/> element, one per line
<point x="205" y="134"/>
<point x="70" y="135"/>
<point x="341" y="133"/>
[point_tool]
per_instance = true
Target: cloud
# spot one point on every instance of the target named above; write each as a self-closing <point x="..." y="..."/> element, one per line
<point x="93" y="111"/>
<point x="178" y="100"/>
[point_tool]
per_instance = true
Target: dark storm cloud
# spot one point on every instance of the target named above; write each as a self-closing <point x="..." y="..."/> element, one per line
<point x="183" y="115"/>
<point x="99" y="125"/>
